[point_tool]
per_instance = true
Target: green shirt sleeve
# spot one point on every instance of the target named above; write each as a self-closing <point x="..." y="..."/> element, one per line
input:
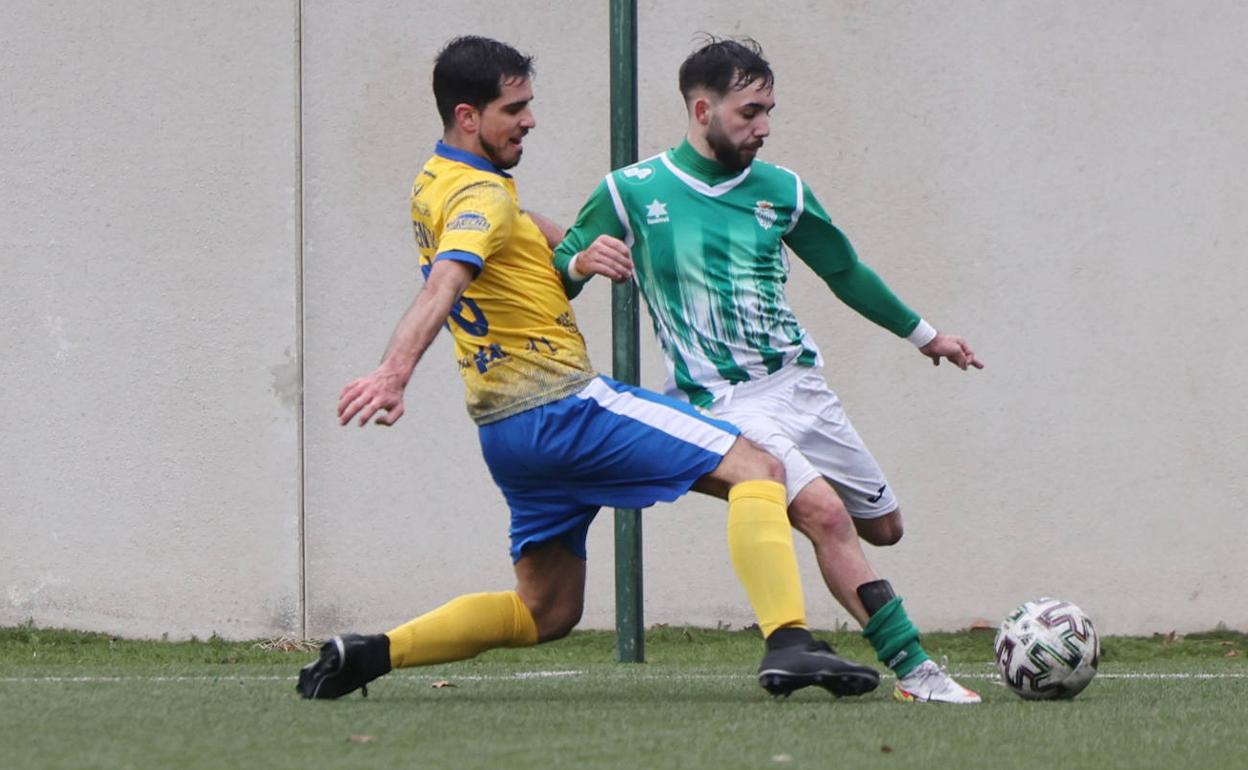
<point x="597" y="218"/>
<point x="820" y="244"/>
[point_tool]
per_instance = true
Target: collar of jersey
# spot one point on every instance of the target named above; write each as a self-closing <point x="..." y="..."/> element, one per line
<point x="468" y="158"/>
<point x="702" y="174"/>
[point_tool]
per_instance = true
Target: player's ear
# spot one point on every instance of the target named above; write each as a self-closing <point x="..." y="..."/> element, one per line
<point x="701" y="110"/>
<point x="467" y="118"/>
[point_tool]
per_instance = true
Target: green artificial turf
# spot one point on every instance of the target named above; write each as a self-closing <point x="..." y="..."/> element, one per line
<point x="87" y="700"/>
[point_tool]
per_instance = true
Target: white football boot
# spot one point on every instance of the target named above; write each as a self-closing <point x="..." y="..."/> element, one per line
<point x="930" y="683"/>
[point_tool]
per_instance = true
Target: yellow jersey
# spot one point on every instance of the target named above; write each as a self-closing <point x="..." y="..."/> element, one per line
<point x="516" y="337"/>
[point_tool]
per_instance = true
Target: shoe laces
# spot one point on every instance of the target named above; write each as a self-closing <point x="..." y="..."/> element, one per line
<point x="937" y="674"/>
<point x="937" y="671"/>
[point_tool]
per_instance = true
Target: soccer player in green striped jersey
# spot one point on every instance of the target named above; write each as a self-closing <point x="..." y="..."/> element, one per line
<point x="704" y="229"/>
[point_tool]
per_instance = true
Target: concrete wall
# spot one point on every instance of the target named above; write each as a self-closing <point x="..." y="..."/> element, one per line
<point x="190" y="200"/>
<point x="149" y="460"/>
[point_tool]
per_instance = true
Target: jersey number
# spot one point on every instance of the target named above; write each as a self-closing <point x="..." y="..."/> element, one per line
<point x="475" y="323"/>
<point x="477" y="326"/>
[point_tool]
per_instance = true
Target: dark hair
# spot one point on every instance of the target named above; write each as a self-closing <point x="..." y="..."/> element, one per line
<point x="723" y="64"/>
<point x="471" y="69"/>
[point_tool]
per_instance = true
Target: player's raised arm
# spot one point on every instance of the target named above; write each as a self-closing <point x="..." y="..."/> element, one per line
<point x="594" y="245"/>
<point x="823" y="246"/>
<point x="382" y="389"/>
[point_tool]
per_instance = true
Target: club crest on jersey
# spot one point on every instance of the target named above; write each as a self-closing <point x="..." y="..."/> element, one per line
<point x="765" y="213"/>
<point x="637" y="174"/>
<point x="656" y="212"/>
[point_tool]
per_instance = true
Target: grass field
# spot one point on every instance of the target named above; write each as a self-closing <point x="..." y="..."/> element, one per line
<point x="70" y="700"/>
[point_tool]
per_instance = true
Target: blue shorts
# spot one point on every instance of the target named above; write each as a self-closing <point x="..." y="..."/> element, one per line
<point x="608" y="444"/>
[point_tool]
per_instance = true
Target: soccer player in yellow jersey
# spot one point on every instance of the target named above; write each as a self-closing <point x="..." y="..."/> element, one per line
<point x="560" y="440"/>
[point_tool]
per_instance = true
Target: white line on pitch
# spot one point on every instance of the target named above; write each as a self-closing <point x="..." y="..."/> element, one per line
<point x="541" y="675"/>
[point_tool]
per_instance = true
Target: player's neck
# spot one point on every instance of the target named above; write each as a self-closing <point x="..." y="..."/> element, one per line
<point x="700" y="161"/>
<point x="697" y="142"/>
<point x="469" y="143"/>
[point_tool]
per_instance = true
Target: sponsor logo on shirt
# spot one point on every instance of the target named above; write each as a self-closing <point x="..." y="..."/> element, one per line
<point x="469" y="220"/>
<point x="765" y="213"/>
<point x="637" y="174"/>
<point x="656" y="212"/>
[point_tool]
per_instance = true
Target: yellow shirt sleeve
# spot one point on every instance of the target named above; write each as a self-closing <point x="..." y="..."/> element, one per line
<point x="478" y="222"/>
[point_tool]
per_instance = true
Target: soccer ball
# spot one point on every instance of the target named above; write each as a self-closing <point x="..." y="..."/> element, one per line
<point x="1047" y="649"/>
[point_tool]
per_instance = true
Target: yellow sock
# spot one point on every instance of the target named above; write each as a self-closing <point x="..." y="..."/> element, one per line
<point x="463" y="628"/>
<point x="760" y="544"/>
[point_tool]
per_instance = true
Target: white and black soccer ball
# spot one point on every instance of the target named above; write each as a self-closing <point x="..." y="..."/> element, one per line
<point x="1047" y="649"/>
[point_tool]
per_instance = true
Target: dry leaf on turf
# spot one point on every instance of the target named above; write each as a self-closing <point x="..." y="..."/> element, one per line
<point x="287" y="644"/>
<point x="886" y="749"/>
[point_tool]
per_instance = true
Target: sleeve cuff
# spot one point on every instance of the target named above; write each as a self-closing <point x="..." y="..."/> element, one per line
<point x="462" y="256"/>
<point x="922" y="334"/>
<point x="573" y="273"/>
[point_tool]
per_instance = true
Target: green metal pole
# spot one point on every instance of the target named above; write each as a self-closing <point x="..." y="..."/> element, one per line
<point x="626" y="364"/>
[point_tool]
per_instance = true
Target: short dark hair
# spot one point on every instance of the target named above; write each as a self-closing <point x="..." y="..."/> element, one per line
<point x="723" y="64"/>
<point x="471" y="69"/>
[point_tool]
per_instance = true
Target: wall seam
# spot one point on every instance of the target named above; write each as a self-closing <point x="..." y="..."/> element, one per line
<point x="299" y="323"/>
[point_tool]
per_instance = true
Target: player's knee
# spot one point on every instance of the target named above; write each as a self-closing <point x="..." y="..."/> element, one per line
<point x="822" y="520"/>
<point x="884" y="531"/>
<point x="766" y="467"/>
<point x="889" y="536"/>
<point x="555" y="621"/>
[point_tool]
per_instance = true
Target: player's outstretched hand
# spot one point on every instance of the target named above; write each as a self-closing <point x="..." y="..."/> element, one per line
<point x="380" y="391"/>
<point x="952" y="347"/>
<point x="606" y="256"/>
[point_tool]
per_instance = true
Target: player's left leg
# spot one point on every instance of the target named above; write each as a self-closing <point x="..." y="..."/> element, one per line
<point x="545" y="605"/>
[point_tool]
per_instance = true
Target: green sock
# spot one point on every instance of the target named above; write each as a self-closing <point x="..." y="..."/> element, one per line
<point x="895" y="638"/>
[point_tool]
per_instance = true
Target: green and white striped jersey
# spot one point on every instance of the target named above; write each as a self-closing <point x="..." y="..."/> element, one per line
<point x="709" y="248"/>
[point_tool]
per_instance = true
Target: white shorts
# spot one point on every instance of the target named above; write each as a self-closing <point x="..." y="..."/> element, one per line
<point x="798" y="419"/>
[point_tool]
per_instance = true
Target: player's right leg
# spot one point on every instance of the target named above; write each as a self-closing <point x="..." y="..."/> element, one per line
<point x="760" y="543"/>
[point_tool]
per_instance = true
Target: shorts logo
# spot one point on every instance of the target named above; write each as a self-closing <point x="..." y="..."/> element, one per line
<point x="765" y="213"/>
<point x="656" y="213"/>
<point x="879" y="494"/>
<point x="637" y="173"/>
<point x="469" y="220"/>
